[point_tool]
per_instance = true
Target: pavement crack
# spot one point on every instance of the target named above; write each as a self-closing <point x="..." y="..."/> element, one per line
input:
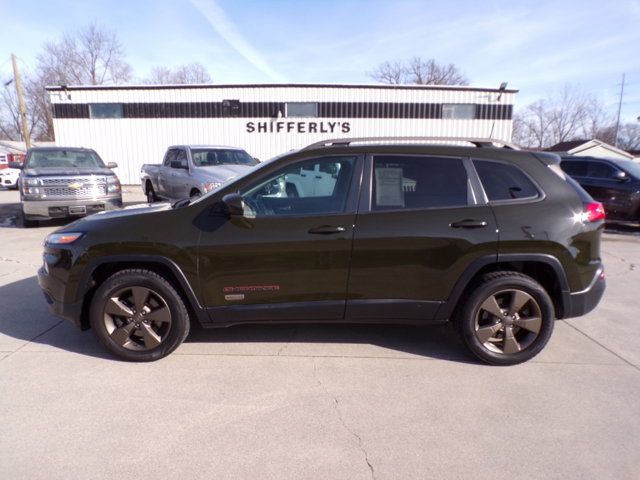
<point x="603" y="346"/>
<point x="33" y="339"/>
<point x="336" y="407"/>
<point x="288" y="342"/>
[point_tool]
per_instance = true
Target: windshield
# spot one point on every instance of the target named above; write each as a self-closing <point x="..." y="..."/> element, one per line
<point x="64" y="159"/>
<point x="631" y="167"/>
<point x="210" y="157"/>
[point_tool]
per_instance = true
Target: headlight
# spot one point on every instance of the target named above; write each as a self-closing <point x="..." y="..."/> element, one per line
<point x="211" y="186"/>
<point x="62" y="238"/>
<point x="30" y="181"/>
<point x="113" y="184"/>
<point x="30" y="186"/>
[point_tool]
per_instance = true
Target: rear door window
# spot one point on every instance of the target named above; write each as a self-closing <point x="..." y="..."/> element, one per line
<point x="169" y="157"/>
<point x="181" y="156"/>
<point x="575" y="168"/>
<point x="410" y="182"/>
<point x="502" y="181"/>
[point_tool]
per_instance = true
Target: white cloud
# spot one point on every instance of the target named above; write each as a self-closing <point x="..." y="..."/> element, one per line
<point x="225" y="27"/>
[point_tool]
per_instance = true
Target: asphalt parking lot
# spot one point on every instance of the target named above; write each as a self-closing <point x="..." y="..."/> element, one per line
<point x="317" y="402"/>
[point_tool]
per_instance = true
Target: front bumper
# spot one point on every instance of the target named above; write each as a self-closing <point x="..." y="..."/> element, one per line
<point x="71" y="312"/>
<point x="581" y="303"/>
<point x="45" y="209"/>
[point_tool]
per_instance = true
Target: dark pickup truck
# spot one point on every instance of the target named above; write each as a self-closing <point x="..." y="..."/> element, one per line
<point x="58" y="182"/>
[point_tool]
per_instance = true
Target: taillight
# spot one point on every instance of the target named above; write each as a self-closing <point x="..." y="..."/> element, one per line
<point x="593" y="212"/>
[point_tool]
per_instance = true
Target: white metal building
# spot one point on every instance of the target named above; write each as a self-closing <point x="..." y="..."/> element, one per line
<point x="132" y="125"/>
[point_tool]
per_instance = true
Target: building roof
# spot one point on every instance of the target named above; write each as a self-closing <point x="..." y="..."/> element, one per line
<point x="581" y="147"/>
<point x="53" y="88"/>
<point x="566" y="146"/>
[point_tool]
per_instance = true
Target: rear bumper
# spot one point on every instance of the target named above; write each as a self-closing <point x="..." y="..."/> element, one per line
<point x="581" y="303"/>
<point x="45" y="209"/>
<point x="68" y="311"/>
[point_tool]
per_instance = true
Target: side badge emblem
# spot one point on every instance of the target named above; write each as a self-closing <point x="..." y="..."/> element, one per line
<point x="231" y="298"/>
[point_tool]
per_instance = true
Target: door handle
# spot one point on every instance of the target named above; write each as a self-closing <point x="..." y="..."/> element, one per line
<point x="469" y="223"/>
<point x="326" y="230"/>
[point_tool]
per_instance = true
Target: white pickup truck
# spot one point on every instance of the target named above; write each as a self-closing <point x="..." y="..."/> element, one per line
<point x="192" y="170"/>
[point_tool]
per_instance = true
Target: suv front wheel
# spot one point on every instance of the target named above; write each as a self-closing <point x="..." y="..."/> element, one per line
<point x="506" y="319"/>
<point x="139" y="316"/>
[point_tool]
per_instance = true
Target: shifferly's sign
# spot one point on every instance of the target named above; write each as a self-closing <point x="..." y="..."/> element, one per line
<point x="298" y="127"/>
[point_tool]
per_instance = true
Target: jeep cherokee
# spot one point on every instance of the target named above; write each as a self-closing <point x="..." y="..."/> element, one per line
<point x="496" y="240"/>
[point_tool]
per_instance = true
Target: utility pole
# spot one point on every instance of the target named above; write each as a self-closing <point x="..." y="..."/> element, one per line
<point x="23" y="111"/>
<point x="619" y="109"/>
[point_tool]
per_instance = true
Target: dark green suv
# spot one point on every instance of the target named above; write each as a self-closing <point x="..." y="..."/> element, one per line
<point x="497" y="240"/>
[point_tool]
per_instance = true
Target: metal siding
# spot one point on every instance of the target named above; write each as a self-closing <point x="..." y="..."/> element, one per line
<point x="134" y="141"/>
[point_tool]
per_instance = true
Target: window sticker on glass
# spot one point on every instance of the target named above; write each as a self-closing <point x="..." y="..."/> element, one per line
<point x="389" y="187"/>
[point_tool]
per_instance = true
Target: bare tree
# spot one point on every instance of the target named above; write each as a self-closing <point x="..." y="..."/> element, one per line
<point x="192" y="73"/>
<point x="567" y="115"/>
<point x="91" y="56"/>
<point x="629" y="137"/>
<point x="389" y="73"/>
<point x="10" y="121"/>
<point x="418" y="71"/>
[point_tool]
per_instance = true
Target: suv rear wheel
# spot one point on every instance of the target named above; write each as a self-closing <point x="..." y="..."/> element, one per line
<point x="139" y="316"/>
<point x="507" y="319"/>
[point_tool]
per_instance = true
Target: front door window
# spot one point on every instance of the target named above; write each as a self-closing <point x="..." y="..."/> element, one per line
<point x="313" y="187"/>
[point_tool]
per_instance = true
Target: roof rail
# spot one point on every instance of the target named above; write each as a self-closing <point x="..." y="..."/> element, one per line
<point x="477" y="142"/>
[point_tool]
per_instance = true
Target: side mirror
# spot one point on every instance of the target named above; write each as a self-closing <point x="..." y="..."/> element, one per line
<point x="234" y="204"/>
<point x="178" y="164"/>
<point x="112" y="165"/>
<point x="621" y="176"/>
<point x="17" y="165"/>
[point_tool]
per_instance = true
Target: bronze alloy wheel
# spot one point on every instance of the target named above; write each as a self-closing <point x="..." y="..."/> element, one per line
<point x="137" y="318"/>
<point x="508" y="321"/>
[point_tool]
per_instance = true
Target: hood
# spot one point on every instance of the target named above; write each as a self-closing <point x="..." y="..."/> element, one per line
<point x="141" y="209"/>
<point x="63" y="171"/>
<point x="222" y="173"/>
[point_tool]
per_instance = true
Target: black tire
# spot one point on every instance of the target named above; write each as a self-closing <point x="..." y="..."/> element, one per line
<point x="151" y="194"/>
<point x="195" y="193"/>
<point x="28" y="223"/>
<point x="136" y="338"/>
<point x="521" y="326"/>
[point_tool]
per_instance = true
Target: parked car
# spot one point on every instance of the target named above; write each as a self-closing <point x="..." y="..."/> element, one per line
<point x="9" y="177"/>
<point x="58" y="182"/>
<point x="614" y="183"/>
<point x="190" y="170"/>
<point x="499" y="241"/>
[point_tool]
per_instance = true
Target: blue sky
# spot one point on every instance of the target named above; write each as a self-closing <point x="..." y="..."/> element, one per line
<point x="537" y="46"/>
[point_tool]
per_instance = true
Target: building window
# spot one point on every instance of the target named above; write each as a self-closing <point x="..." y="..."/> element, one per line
<point x="231" y="108"/>
<point x="301" y="109"/>
<point x="105" y="110"/>
<point x="458" y="111"/>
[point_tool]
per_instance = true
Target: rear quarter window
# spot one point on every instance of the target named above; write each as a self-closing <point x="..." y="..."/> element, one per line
<point x="504" y="182"/>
